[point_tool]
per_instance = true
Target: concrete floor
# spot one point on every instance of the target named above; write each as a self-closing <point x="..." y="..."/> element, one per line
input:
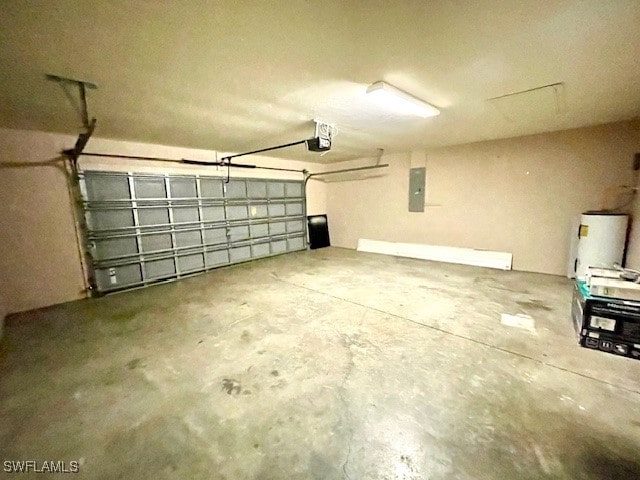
<point x="324" y="365"/>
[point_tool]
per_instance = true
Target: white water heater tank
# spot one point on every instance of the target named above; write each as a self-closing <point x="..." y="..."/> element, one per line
<point x="601" y="240"/>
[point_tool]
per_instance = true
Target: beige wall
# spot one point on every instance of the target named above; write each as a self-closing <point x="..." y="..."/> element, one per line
<point x="515" y="195"/>
<point x="633" y="251"/>
<point x="40" y="264"/>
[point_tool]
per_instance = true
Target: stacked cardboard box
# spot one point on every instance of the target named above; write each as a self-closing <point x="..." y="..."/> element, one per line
<point x="607" y="323"/>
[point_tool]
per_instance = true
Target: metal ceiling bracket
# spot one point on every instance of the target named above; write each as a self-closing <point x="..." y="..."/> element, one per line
<point x="89" y="125"/>
<point x="72" y="155"/>
<point x="312" y="144"/>
<point x="344" y="170"/>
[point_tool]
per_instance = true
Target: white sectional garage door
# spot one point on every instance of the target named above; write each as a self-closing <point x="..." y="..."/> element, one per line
<point x="144" y="228"/>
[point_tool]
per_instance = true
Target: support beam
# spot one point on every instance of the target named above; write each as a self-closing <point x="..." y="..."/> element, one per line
<point x="89" y="125"/>
<point x="345" y="170"/>
<point x="188" y="161"/>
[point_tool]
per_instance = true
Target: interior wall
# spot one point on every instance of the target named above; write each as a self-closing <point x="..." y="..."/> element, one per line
<point x="633" y="250"/>
<point x="41" y="264"/>
<point x="515" y="195"/>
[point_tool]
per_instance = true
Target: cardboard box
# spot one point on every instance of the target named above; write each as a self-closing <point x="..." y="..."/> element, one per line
<point x="610" y="325"/>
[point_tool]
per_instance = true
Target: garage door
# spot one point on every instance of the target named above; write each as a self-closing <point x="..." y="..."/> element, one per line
<point x="143" y="229"/>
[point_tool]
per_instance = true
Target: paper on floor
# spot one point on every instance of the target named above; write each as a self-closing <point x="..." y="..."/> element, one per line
<point x="518" y="321"/>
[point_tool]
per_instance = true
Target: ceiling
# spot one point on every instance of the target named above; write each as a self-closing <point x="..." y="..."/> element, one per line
<point x="239" y="75"/>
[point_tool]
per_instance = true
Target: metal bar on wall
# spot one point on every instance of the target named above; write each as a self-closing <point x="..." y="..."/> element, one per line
<point x="136" y="223"/>
<point x="347" y="170"/>
<point x="76" y="193"/>
<point x="186" y="161"/>
<point x="174" y="243"/>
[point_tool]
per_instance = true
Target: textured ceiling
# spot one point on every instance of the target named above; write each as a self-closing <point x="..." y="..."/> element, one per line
<point x="239" y="75"/>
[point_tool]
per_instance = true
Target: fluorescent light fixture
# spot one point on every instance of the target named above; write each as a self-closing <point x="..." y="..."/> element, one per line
<point x="398" y="101"/>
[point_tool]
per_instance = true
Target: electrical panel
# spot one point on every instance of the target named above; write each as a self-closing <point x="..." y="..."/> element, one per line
<point x="417" y="179"/>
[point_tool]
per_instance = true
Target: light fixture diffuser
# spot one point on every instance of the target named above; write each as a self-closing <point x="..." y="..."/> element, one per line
<point x="398" y="101"/>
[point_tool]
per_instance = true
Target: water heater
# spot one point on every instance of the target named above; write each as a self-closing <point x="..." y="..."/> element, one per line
<point x="601" y="241"/>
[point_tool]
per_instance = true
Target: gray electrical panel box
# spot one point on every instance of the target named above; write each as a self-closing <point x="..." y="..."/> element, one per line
<point x="417" y="177"/>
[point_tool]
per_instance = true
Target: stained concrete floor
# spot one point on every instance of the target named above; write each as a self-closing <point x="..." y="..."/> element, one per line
<point x="323" y="365"/>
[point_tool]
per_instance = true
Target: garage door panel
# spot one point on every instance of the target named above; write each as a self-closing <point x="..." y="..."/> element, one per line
<point x="190" y="263"/>
<point x="159" y="269"/>
<point x="295" y="226"/>
<point x="150" y="187"/>
<point x="211" y="188"/>
<point x="295" y="244"/>
<point x="293" y="189"/>
<point x="110" y="219"/>
<point x="118" y="277"/>
<point x="191" y="238"/>
<point x="260" y="230"/>
<point x="238" y="233"/>
<point x="293" y="209"/>
<point x="260" y="250"/>
<point x="279" y="246"/>
<point x="236" y="189"/>
<point x="276" y="210"/>
<point x="258" y="211"/>
<point x="108" y="187"/>
<point x="183" y="187"/>
<point x="239" y="254"/>
<point x="115" y="247"/>
<point x="213" y="214"/>
<point x="156" y="242"/>
<point x="153" y="216"/>
<point x="237" y="212"/>
<point x="256" y="189"/>
<point x="277" y="228"/>
<point x="276" y="189"/>
<point x="214" y="259"/>
<point x="215" y="235"/>
<point x="172" y="225"/>
<point x="186" y="214"/>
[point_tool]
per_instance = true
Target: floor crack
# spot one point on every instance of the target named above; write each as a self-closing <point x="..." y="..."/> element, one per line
<point x="462" y="337"/>
<point x="347" y="343"/>
<point x="346" y="460"/>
